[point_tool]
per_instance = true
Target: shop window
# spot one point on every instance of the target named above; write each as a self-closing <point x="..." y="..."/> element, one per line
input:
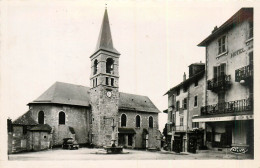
<point x="137" y="121"/>
<point x="62" y="117"/>
<point x="222" y="45"/>
<point x="95" y="67"/>
<point x="109" y="65"/>
<point x="41" y="117"/>
<point x="150" y="122"/>
<point x="195" y="101"/>
<point x="123" y="120"/>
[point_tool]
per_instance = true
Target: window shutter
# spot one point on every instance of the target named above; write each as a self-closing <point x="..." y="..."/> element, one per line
<point x="222" y="69"/>
<point x="215" y="70"/>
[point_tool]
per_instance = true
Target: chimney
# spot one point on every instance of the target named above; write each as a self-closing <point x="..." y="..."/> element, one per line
<point x="215" y="29"/>
<point x="184" y="77"/>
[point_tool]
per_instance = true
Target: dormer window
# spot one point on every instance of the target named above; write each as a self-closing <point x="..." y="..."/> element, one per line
<point x="110" y="66"/>
<point x="222" y="45"/>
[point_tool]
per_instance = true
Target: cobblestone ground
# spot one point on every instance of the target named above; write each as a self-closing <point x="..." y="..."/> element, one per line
<point x="99" y="154"/>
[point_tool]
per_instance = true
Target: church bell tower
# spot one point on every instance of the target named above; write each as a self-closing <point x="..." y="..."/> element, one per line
<point x="104" y="88"/>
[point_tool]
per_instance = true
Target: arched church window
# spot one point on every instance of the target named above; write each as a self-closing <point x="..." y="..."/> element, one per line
<point x="95" y="67"/>
<point x="41" y="117"/>
<point x="137" y="121"/>
<point x="62" y="118"/>
<point x="109" y="65"/>
<point x="123" y="120"/>
<point x="150" y="122"/>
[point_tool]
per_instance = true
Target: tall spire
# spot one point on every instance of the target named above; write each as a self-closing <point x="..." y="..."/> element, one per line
<point x="105" y="38"/>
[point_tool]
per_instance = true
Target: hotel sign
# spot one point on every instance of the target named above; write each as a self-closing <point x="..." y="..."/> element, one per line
<point x="237" y="52"/>
<point x="226" y="118"/>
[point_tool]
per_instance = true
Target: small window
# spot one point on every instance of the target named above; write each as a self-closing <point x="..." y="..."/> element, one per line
<point x="184" y="103"/>
<point x="177" y="105"/>
<point x="112" y="81"/>
<point x="195" y="125"/>
<point x="107" y="81"/>
<point x="24" y="129"/>
<point x="150" y="122"/>
<point x="178" y="92"/>
<point x="95" y="67"/>
<point x="137" y="121"/>
<point x="96" y="81"/>
<point x="195" y="101"/>
<point x="181" y="121"/>
<point x="41" y="117"/>
<point x="110" y="65"/>
<point x="251" y="29"/>
<point x="222" y="45"/>
<point x="62" y="118"/>
<point x="93" y="83"/>
<point x="123" y="120"/>
<point x="185" y="88"/>
<point x="196" y="83"/>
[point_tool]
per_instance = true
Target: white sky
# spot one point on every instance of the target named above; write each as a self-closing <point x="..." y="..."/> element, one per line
<point x="44" y="42"/>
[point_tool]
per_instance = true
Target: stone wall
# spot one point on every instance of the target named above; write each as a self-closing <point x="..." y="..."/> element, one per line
<point x="76" y="117"/>
<point x="153" y="136"/>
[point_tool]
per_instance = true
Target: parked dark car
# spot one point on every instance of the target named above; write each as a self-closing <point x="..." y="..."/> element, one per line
<point x="70" y="143"/>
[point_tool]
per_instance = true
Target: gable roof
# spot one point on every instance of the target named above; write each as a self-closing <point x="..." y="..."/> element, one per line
<point x="25" y="119"/>
<point x="69" y="94"/>
<point x="199" y="75"/>
<point x="136" y="102"/>
<point x="42" y="128"/>
<point x="238" y="17"/>
<point x="65" y="93"/>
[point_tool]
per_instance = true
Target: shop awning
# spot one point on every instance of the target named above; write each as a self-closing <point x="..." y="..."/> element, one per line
<point x="222" y="118"/>
<point x="126" y="131"/>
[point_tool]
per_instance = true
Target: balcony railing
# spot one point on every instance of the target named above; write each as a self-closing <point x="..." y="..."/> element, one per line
<point x="179" y="128"/>
<point x="219" y="83"/>
<point x="244" y="73"/>
<point x="228" y="107"/>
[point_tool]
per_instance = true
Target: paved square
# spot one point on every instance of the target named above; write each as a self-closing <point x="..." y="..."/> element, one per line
<point x="98" y="154"/>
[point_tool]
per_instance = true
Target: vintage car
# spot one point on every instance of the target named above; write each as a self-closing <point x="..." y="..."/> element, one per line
<point x="70" y="143"/>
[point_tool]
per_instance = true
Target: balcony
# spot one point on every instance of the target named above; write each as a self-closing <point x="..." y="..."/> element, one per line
<point x="228" y="107"/>
<point x="179" y="128"/>
<point x="219" y="83"/>
<point x="245" y="73"/>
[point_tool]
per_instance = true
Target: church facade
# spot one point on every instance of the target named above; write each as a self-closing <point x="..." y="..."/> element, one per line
<point x="97" y="115"/>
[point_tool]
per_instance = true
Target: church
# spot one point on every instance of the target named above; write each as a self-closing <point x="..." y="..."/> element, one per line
<point x="88" y="114"/>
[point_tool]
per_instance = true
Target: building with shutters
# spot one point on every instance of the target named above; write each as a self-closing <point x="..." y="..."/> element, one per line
<point x="228" y="112"/>
<point x="88" y="114"/>
<point x="184" y="102"/>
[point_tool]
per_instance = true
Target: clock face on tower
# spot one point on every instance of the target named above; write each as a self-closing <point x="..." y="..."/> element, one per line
<point x="109" y="93"/>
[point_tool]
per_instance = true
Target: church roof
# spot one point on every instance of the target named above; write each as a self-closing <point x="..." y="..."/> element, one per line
<point x="65" y="93"/>
<point x="105" y="41"/>
<point x="25" y="119"/>
<point x="136" y="102"/>
<point x="70" y="94"/>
